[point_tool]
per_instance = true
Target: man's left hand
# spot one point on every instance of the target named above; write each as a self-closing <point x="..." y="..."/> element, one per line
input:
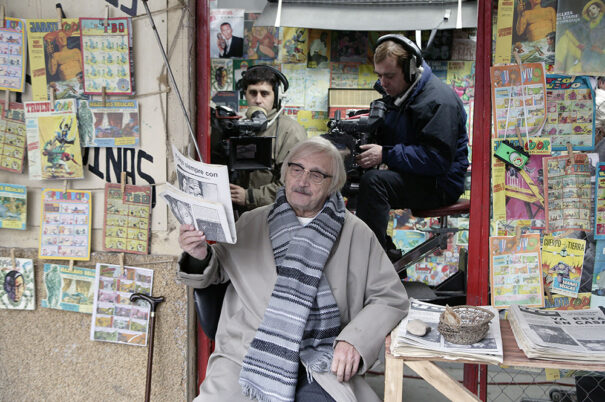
<point x="370" y="157"/>
<point x="238" y="194"/>
<point x="345" y="361"/>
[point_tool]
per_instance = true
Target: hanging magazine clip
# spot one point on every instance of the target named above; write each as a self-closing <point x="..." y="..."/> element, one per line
<point x="2" y="17"/>
<point x="13" y="260"/>
<point x="60" y="15"/>
<point x="103" y="95"/>
<point x="71" y="265"/>
<point x="7" y="100"/>
<point x="121" y="264"/>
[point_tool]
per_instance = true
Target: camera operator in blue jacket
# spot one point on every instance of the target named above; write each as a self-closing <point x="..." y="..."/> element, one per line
<point x="423" y="140"/>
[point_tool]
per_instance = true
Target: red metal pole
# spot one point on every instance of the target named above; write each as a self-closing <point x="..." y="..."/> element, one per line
<point x="478" y="245"/>
<point x="202" y="85"/>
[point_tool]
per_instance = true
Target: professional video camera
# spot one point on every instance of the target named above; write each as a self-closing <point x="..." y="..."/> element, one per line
<point x="357" y="130"/>
<point x="240" y="146"/>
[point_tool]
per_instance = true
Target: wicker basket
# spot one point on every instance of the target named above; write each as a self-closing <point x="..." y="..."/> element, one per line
<point x="474" y="323"/>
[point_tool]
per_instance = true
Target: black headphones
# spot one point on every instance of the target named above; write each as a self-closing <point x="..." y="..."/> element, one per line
<point x="281" y="78"/>
<point x="415" y="55"/>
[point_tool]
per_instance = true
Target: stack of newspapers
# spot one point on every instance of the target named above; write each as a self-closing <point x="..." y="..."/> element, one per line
<point x="433" y="345"/>
<point x="559" y="334"/>
<point x="202" y="199"/>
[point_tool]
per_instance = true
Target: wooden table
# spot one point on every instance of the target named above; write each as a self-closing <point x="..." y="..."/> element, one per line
<point x="450" y="387"/>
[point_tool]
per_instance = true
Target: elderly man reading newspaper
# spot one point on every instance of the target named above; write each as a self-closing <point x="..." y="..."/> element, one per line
<point x="312" y="294"/>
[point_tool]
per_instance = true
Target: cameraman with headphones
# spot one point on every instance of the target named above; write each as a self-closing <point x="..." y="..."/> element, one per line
<point x="423" y="140"/>
<point x="261" y="88"/>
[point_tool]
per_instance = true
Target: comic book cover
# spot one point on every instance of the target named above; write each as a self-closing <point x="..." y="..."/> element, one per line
<point x="68" y="289"/>
<point x="65" y="225"/>
<point x="561" y="302"/>
<point x="13" y="206"/>
<point x="349" y="46"/>
<point x="317" y="82"/>
<point x="107" y="55"/>
<point x="55" y="58"/>
<point x="296" y="74"/>
<point x="367" y="76"/>
<point x="226" y="33"/>
<point x="260" y="43"/>
<point x="53" y="143"/>
<point x="580" y="37"/>
<point x="562" y="261"/>
<point x="17" y="284"/>
<point x="239" y="66"/>
<point x="126" y="222"/>
<point x="436" y="267"/>
<point x="518" y="100"/>
<point x="344" y="75"/>
<point x="568" y="192"/>
<point x="598" y="277"/>
<point x="221" y="75"/>
<point x="114" y="317"/>
<point x="516" y="271"/>
<point x="12" y="137"/>
<point x="109" y="124"/>
<point x="294" y="45"/>
<point x="600" y="202"/>
<point x="319" y="49"/>
<point x="12" y="55"/>
<point x="570" y="111"/>
<point x="461" y="77"/>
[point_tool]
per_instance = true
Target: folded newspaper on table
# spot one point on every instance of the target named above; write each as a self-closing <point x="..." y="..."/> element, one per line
<point x="203" y="188"/>
<point x="403" y="343"/>
<point x="559" y="334"/>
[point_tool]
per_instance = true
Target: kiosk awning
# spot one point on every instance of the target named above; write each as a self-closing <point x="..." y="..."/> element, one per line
<point x="371" y="15"/>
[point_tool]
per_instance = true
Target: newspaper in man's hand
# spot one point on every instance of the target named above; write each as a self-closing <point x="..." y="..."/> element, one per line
<point x="203" y="198"/>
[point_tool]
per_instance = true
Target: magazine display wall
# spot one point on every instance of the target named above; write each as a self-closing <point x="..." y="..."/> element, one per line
<point x="82" y="149"/>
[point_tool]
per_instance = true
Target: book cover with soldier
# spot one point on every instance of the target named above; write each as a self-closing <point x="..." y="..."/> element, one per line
<point x="68" y="289"/>
<point x="53" y="142"/>
<point x="55" y="58"/>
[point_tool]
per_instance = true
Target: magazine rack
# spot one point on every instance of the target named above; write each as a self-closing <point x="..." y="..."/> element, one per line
<point x="451" y="388"/>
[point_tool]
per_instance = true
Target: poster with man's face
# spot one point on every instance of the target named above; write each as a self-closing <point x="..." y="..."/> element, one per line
<point x="226" y="33"/>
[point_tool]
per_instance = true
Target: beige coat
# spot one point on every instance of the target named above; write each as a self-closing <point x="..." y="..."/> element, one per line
<point x="368" y="292"/>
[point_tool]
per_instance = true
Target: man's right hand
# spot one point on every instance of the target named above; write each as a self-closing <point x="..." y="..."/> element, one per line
<point x="193" y="242"/>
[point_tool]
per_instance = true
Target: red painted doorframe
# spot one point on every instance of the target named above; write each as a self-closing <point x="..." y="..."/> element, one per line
<point x="480" y="176"/>
<point x="478" y="244"/>
<point x="202" y="118"/>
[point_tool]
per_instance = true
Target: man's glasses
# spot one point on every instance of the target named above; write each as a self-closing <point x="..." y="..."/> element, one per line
<point x="297" y="170"/>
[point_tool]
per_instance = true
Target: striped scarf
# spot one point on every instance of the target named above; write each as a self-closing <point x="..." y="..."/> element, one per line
<point x="302" y="319"/>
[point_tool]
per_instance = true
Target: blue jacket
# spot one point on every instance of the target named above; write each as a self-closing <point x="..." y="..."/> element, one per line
<point x="427" y="135"/>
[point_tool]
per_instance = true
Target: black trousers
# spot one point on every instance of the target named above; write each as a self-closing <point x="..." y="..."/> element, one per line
<point x="383" y="190"/>
<point x="310" y="391"/>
